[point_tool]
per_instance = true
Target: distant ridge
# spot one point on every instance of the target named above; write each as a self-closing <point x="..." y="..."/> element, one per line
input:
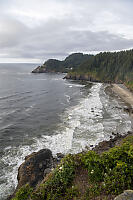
<point x="116" y="67"/>
<point x="70" y="62"/>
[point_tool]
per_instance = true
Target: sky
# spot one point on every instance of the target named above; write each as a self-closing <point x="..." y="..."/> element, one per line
<point x="36" y="30"/>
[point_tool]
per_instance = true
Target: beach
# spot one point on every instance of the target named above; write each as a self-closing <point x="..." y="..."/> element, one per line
<point x="123" y="93"/>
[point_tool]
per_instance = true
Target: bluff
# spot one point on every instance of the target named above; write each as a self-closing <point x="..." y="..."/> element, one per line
<point x="70" y="62"/>
<point x="109" y="67"/>
<point x="101" y="173"/>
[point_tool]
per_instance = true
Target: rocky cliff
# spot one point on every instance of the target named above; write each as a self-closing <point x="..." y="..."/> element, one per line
<point x="71" y="62"/>
<point x="102" y="173"/>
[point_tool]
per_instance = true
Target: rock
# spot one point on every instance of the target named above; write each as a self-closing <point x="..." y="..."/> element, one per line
<point x="84" y="77"/>
<point x="60" y="156"/>
<point x="128" y="110"/>
<point x="39" y="69"/>
<point x="33" y="170"/>
<point x="57" y="159"/>
<point x="114" y="141"/>
<point x="47" y="171"/>
<point x="127" y="195"/>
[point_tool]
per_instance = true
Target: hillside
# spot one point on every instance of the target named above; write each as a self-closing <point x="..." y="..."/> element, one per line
<point x="109" y="67"/>
<point x="102" y="173"/>
<point x="71" y="62"/>
<point x="116" y="67"/>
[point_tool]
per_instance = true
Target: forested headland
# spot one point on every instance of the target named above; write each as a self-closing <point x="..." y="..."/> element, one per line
<point x="111" y="67"/>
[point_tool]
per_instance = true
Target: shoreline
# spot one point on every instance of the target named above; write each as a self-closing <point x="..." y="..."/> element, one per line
<point x="127" y="96"/>
<point x="23" y="170"/>
<point x="124" y="94"/>
<point x="115" y="140"/>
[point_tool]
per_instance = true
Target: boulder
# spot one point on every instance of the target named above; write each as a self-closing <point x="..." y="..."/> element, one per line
<point x="35" y="168"/>
<point x="126" y="195"/>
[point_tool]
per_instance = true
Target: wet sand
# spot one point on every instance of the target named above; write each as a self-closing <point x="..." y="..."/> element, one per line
<point x="125" y="94"/>
<point x="127" y="97"/>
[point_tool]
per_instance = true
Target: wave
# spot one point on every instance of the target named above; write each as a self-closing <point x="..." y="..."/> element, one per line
<point x="14" y="95"/>
<point x="88" y="123"/>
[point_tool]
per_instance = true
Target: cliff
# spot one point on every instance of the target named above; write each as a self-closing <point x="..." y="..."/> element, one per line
<point x="70" y="62"/>
<point x="109" y="67"/>
<point x="101" y="173"/>
<point x="116" y="67"/>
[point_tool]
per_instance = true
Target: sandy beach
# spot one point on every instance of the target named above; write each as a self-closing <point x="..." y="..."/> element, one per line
<point x="125" y="94"/>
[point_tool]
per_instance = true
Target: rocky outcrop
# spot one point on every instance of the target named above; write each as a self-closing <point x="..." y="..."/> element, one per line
<point x="38" y="164"/>
<point x="115" y="140"/>
<point x="35" y="168"/>
<point x="32" y="171"/>
<point x="70" y="62"/>
<point x="84" y="77"/>
<point x="128" y="110"/>
<point x="126" y="195"/>
<point x="39" y="69"/>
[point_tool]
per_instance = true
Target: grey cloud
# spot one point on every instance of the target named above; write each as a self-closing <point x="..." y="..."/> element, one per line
<point x="45" y="41"/>
<point x="57" y="37"/>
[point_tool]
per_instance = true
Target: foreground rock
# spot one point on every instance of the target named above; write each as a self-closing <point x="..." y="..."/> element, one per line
<point x="35" y="167"/>
<point x="127" y="195"/>
<point x="33" y="170"/>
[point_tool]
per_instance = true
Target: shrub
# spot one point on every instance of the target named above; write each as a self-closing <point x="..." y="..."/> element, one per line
<point x="59" y="181"/>
<point x="93" y="163"/>
<point x="112" y="169"/>
<point x="23" y="193"/>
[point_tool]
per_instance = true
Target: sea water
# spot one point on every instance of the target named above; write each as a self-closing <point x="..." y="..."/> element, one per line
<point x="45" y="111"/>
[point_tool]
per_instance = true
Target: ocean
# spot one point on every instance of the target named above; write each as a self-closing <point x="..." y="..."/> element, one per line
<point x="45" y="111"/>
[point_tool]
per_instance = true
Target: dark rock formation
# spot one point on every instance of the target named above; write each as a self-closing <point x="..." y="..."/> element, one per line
<point x="128" y="110"/>
<point x="115" y="140"/>
<point x="39" y="69"/>
<point x="70" y="62"/>
<point x="32" y="171"/>
<point x="35" y="168"/>
<point x="84" y="77"/>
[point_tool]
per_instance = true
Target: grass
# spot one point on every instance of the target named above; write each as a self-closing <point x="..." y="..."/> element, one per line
<point x="129" y="85"/>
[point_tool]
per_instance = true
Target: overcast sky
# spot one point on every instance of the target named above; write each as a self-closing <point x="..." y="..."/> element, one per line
<point x="35" y="30"/>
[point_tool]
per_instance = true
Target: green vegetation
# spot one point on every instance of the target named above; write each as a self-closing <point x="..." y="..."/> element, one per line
<point x="108" y="174"/>
<point x="59" y="182"/>
<point x="105" y="67"/>
<point x="23" y="193"/>
<point x="111" y="67"/>
<point x="72" y="61"/>
<point x="129" y="85"/>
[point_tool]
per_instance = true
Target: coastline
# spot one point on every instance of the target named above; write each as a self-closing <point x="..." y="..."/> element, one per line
<point x="115" y="139"/>
<point x="80" y="173"/>
<point x="125" y="94"/>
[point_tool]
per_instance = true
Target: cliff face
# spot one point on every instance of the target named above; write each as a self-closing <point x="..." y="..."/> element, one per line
<point x="35" y="168"/>
<point x="102" y="173"/>
<point x="84" y="77"/>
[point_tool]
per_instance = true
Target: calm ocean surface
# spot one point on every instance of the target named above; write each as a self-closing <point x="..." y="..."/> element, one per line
<point x="44" y="111"/>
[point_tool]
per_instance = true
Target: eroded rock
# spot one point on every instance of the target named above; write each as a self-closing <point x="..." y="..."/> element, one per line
<point x="33" y="170"/>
